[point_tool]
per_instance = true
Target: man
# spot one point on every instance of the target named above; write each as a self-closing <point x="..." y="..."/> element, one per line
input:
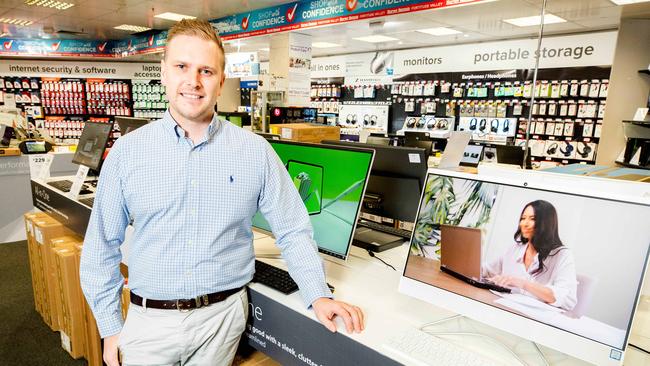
<point x="190" y="184"/>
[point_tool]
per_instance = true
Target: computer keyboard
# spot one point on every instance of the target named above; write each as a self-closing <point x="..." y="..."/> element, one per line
<point x="89" y="201"/>
<point x="65" y="186"/>
<point x="384" y="228"/>
<point x="420" y="348"/>
<point x="274" y="278"/>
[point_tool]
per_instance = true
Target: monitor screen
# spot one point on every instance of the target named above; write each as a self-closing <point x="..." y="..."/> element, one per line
<point x="35" y="146"/>
<point x="332" y="192"/>
<point x="92" y="143"/>
<point x="128" y="124"/>
<point x="562" y="269"/>
<point x="513" y="155"/>
<point x="396" y="180"/>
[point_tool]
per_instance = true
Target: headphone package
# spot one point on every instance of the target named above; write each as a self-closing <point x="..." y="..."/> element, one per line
<point x="559" y="129"/>
<point x="587" y="130"/>
<point x="598" y="130"/>
<point x="568" y="128"/>
<point x="550" y="128"/>
<point x="586" y="150"/>
<point x="540" y="127"/>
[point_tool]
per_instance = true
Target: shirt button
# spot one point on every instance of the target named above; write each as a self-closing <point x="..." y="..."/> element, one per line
<point x="193" y="212"/>
<point x="189" y="242"/>
<point x="193" y="182"/>
<point x="188" y="273"/>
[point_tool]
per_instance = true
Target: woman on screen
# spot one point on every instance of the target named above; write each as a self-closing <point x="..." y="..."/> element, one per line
<point x="538" y="264"/>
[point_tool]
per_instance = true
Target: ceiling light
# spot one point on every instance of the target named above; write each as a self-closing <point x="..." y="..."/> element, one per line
<point x="535" y="20"/>
<point x="60" y="5"/>
<point x="440" y="31"/>
<point x="132" y="28"/>
<point x="324" y="45"/>
<point x="376" y="39"/>
<point x="18" y="22"/>
<point x="173" y="16"/>
<point x="626" y="2"/>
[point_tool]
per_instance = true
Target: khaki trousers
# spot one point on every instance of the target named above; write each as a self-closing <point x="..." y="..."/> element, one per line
<point x="204" y="336"/>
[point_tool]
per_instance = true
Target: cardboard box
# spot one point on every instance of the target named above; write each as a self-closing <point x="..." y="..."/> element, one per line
<point x="306" y="132"/>
<point x="35" y="260"/>
<point x="9" y="151"/>
<point x="72" y="322"/>
<point x="46" y="229"/>
<point x="92" y="341"/>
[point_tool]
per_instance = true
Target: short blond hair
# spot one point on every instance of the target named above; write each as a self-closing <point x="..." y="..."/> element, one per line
<point x="197" y="28"/>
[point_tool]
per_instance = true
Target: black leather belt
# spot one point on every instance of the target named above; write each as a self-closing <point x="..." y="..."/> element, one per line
<point x="185" y="304"/>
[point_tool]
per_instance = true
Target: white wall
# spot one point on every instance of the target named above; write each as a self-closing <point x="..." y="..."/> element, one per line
<point x="609" y="241"/>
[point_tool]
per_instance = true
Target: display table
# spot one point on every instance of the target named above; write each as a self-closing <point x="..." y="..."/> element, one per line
<point x="15" y="196"/>
<point x="368" y="283"/>
<point x="284" y="329"/>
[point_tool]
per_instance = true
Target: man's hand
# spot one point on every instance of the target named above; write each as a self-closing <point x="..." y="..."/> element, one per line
<point x="327" y="309"/>
<point x="110" y="350"/>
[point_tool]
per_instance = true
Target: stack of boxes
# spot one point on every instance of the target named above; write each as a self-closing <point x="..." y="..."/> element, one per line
<point x="54" y="255"/>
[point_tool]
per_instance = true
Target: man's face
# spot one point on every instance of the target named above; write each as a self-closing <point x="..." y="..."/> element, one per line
<point x="192" y="75"/>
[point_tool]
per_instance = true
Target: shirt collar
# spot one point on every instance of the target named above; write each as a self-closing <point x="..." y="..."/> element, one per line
<point x="172" y="126"/>
<point x="521" y="252"/>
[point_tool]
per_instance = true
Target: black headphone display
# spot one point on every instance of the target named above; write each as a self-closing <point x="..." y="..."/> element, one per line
<point x="472" y="124"/>
<point x="442" y="124"/>
<point x="366" y="119"/>
<point x="567" y="150"/>
<point x="586" y="150"/>
<point x="494" y="125"/>
<point x="431" y="123"/>
<point x="351" y="118"/>
<point x="420" y="123"/>
<point x="373" y="120"/>
<point x="410" y="122"/>
<point x="552" y="149"/>
<point x="482" y="125"/>
<point x="506" y="125"/>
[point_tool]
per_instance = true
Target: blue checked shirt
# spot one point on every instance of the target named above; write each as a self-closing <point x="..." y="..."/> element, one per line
<point x="192" y="206"/>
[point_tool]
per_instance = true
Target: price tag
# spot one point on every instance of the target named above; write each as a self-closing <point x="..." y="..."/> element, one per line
<point x="78" y="182"/>
<point x="39" y="165"/>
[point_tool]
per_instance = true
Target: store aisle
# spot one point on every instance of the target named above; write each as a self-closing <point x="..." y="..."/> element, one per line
<point x="24" y="337"/>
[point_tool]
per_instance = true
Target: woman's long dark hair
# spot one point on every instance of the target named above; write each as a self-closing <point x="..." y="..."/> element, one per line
<point x="546" y="237"/>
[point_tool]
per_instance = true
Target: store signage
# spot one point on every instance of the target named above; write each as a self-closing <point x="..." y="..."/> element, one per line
<point x="593" y="49"/>
<point x="292" y="338"/>
<point x="317" y="13"/>
<point x="248" y="84"/>
<point x="241" y="64"/>
<point x="151" y="43"/>
<point x="110" y="70"/>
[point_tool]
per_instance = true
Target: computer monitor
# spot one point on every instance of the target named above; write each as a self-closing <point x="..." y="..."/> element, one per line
<point x="418" y="139"/>
<point x="396" y="180"/>
<point x="587" y="245"/>
<point x="331" y="191"/>
<point x="92" y="143"/>
<point x="269" y="136"/>
<point x="128" y="124"/>
<point x="513" y="155"/>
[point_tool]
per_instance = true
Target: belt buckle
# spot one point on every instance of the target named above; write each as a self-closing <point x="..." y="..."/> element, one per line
<point x="179" y="308"/>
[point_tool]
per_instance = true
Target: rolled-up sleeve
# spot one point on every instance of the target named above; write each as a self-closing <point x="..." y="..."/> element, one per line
<point x="563" y="282"/>
<point x="282" y="207"/>
<point x="99" y="270"/>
